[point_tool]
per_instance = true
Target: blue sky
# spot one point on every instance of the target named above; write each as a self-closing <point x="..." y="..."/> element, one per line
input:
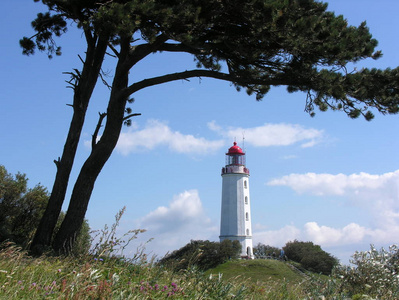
<point x="328" y="179"/>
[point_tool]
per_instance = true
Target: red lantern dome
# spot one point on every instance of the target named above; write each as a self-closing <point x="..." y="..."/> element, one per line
<point x="234" y="150"/>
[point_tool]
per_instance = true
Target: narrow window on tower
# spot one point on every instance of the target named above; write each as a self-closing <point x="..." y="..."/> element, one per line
<point x="247" y="231"/>
<point x="246" y="217"/>
<point x="246" y="199"/>
<point x="245" y="184"/>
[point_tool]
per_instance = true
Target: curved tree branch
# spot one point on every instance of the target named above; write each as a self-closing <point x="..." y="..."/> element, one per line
<point x="200" y="73"/>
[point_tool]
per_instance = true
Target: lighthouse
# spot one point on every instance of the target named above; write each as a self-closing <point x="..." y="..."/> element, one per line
<point x="235" y="222"/>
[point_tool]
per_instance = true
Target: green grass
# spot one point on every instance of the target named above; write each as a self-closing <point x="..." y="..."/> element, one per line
<point x="24" y="277"/>
<point x="258" y="270"/>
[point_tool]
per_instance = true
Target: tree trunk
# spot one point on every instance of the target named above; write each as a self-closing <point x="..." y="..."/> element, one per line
<point x="82" y="93"/>
<point x="65" y="238"/>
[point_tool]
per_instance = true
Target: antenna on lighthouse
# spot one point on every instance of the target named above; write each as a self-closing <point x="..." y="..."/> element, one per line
<point x="243" y="141"/>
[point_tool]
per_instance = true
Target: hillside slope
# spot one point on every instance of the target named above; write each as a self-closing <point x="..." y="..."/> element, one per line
<point x="261" y="270"/>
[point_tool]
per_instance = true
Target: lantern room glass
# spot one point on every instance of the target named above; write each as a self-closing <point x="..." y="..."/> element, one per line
<point x="235" y="159"/>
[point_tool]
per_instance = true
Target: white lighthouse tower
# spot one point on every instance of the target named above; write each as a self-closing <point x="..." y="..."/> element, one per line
<point x="236" y="206"/>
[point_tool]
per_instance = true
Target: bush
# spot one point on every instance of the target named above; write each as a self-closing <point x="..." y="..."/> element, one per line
<point x="263" y="251"/>
<point x="202" y="254"/>
<point x="310" y="256"/>
<point x="21" y="210"/>
<point x="374" y="273"/>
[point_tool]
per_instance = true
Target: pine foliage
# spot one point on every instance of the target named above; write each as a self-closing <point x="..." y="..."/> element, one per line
<point x="255" y="44"/>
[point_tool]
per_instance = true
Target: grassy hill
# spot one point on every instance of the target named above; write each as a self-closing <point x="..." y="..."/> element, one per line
<point x="108" y="278"/>
<point x="258" y="270"/>
<point x="92" y="277"/>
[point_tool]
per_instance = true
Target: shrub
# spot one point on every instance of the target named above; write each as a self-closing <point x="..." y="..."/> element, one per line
<point x="375" y="273"/>
<point x="21" y="210"/>
<point x="262" y="251"/>
<point x="310" y="256"/>
<point x="202" y="254"/>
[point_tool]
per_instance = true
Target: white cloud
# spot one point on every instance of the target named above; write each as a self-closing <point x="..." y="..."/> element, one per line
<point x="318" y="234"/>
<point x="378" y="195"/>
<point x="328" y="236"/>
<point x="184" y="208"/>
<point x="215" y="127"/>
<point x="277" y="238"/>
<point x="159" y="134"/>
<point x="175" y="225"/>
<point x="340" y="184"/>
<point x="272" y="134"/>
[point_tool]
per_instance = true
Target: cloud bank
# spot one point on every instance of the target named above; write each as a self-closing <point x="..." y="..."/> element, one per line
<point x="377" y="195"/>
<point x="158" y="134"/>
<point x="269" y="135"/>
<point x="340" y="184"/>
